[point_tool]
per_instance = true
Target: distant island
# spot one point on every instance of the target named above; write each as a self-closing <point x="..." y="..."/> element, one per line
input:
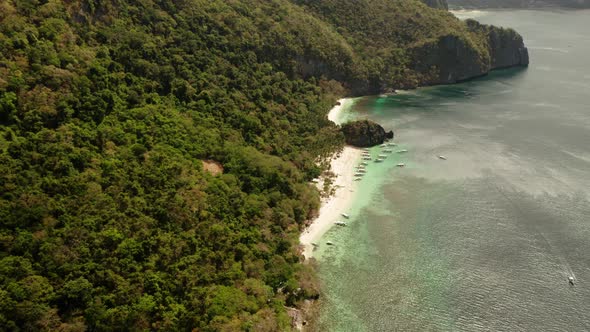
<point x="482" y="4"/>
<point x="157" y="157"/>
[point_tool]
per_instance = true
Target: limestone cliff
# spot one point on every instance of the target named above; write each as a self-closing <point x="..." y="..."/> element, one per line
<point x="453" y="58"/>
<point x="377" y="46"/>
<point x="505" y="46"/>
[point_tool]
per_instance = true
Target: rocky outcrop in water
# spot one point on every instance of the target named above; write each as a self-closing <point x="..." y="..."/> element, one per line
<point x="454" y="58"/>
<point x="365" y="133"/>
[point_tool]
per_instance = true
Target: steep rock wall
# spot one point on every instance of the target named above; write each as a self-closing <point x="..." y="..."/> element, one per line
<point x="505" y="46"/>
<point x="452" y="58"/>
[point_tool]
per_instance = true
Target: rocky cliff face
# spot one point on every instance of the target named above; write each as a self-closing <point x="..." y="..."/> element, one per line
<point x="452" y="58"/>
<point x="365" y="133"/>
<point x="505" y="46"/>
<point x="448" y="59"/>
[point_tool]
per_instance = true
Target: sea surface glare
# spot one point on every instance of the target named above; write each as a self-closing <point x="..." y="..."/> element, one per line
<point x="485" y="240"/>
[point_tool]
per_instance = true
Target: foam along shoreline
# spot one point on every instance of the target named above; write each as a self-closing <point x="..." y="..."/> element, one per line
<point x="342" y="165"/>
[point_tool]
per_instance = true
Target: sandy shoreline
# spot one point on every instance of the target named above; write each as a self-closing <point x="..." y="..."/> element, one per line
<point x="332" y="207"/>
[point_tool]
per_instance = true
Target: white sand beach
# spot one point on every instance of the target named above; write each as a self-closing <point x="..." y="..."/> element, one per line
<point x="332" y="207"/>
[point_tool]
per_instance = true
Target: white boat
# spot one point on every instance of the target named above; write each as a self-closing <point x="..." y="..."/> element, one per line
<point x="315" y="180"/>
<point x="382" y="156"/>
<point x="402" y="151"/>
<point x="400" y="165"/>
<point x="383" y="145"/>
<point x="442" y="157"/>
<point x="329" y="243"/>
<point x="571" y="280"/>
<point x="361" y="170"/>
<point x="345" y="215"/>
<point x="358" y="179"/>
<point x="364" y="163"/>
<point x="379" y="160"/>
<point x="366" y="158"/>
<point x="387" y="150"/>
<point x="340" y="223"/>
<point x="391" y="144"/>
<point x="359" y="174"/>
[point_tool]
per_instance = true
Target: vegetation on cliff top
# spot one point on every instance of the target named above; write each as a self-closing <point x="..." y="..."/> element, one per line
<point x="107" y="110"/>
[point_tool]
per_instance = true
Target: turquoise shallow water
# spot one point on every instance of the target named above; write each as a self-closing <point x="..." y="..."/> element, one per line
<point x="485" y="240"/>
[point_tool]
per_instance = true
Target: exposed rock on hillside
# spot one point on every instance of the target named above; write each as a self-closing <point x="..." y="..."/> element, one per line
<point x="365" y="133"/>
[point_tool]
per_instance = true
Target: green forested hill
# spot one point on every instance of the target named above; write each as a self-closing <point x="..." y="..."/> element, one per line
<point x="107" y="110"/>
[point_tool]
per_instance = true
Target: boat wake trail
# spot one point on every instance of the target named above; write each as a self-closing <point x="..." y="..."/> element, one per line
<point x="565" y="266"/>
